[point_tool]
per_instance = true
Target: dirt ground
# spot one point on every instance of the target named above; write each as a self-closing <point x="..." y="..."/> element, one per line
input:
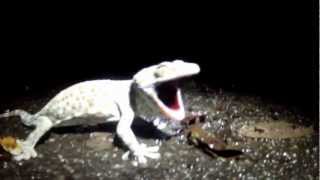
<point x="277" y="142"/>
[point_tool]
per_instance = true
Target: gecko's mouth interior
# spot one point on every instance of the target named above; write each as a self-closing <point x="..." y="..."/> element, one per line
<point x="168" y="93"/>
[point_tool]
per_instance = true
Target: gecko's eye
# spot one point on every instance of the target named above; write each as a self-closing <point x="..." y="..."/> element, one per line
<point x="164" y="70"/>
<point x="167" y="93"/>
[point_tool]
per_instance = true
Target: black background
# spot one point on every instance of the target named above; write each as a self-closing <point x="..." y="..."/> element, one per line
<point x="267" y="48"/>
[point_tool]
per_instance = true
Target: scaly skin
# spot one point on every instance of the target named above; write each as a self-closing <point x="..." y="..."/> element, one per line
<point x="113" y="100"/>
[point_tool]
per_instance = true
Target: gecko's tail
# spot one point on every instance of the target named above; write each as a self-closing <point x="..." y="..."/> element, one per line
<point x="26" y="117"/>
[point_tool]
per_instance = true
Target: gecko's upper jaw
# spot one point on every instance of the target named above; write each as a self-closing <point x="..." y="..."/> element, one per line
<point x="169" y="99"/>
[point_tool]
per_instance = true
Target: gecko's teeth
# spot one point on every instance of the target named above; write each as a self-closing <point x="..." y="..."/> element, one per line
<point x="162" y="125"/>
<point x="159" y="123"/>
<point x="156" y="122"/>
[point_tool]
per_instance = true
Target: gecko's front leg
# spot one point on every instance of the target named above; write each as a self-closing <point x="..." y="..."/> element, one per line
<point x="139" y="150"/>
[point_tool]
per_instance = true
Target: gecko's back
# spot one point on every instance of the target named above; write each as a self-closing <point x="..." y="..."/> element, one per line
<point x="89" y="98"/>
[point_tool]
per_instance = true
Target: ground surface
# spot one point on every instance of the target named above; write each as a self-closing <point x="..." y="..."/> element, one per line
<point x="245" y="123"/>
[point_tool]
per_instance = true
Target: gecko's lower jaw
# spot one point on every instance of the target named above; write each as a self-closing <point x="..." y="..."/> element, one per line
<point x="168" y="127"/>
<point x="171" y="129"/>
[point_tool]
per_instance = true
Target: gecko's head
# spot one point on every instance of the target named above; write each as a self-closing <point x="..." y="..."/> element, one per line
<point x="156" y="92"/>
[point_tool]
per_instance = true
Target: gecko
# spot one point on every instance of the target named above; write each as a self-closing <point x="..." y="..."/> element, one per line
<point x="152" y="94"/>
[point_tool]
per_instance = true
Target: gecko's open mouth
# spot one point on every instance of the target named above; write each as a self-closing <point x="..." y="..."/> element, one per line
<point x="169" y="99"/>
<point x="168" y="94"/>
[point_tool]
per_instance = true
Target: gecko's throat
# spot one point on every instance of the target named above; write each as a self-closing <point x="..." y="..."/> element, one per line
<point x="168" y="94"/>
<point x="169" y="99"/>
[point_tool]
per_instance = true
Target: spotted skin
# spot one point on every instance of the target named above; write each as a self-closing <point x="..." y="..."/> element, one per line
<point x="85" y="99"/>
<point x="90" y="98"/>
<point x="108" y="99"/>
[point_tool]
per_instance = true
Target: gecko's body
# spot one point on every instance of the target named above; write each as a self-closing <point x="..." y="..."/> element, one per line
<point x="152" y="89"/>
<point x="89" y="98"/>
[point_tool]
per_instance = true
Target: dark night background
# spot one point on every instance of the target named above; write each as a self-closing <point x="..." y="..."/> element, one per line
<point x="266" y="49"/>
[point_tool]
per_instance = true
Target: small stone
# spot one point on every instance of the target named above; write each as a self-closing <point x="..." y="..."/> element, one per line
<point x="134" y="163"/>
<point x="294" y="155"/>
<point x="307" y="151"/>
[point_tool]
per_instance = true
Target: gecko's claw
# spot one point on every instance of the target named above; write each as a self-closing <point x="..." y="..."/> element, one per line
<point x="150" y="152"/>
<point x="142" y="152"/>
<point x="27" y="151"/>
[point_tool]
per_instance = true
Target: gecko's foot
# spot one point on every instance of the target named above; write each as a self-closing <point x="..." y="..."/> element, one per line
<point x="27" y="151"/>
<point x="142" y="153"/>
<point x="5" y="114"/>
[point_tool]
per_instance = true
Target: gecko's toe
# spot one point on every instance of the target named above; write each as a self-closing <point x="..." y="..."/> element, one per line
<point x="140" y="155"/>
<point x="152" y="155"/>
<point x="126" y="156"/>
<point x="152" y="148"/>
<point x="150" y="151"/>
<point x="27" y="152"/>
<point x="24" y="156"/>
<point x="145" y="151"/>
<point x="142" y="160"/>
<point x="136" y="159"/>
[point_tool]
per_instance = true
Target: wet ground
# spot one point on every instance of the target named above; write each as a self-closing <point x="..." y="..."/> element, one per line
<point x="277" y="142"/>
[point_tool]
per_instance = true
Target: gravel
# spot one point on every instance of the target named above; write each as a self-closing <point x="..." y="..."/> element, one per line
<point x="92" y="152"/>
